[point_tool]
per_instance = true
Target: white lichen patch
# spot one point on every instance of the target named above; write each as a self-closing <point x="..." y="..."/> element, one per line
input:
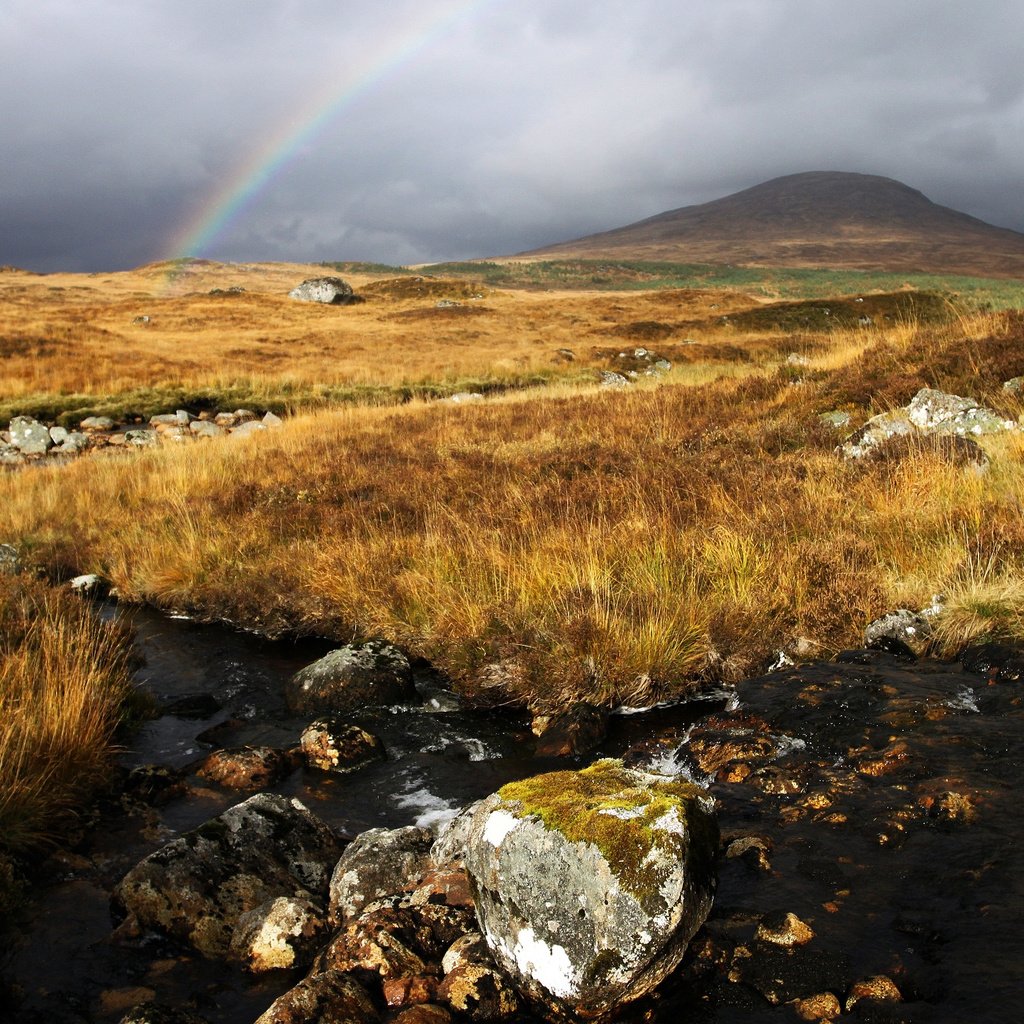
<point x="548" y="965"/>
<point x="670" y="822"/>
<point x="623" y="813"/>
<point x="499" y="824"/>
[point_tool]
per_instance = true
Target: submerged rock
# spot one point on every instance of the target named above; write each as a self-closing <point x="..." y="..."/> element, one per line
<point x="333" y="745"/>
<point x="371" y="673"/>
<point x="588" y="885"/>
<point x="198" y="886"/>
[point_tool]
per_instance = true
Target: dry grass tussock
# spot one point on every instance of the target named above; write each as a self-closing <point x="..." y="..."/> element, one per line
<point x="615" y="545"/>
<point x="64" y="680"/>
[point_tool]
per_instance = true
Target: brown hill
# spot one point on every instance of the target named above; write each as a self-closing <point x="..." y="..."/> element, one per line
<point x="816" y="219"/>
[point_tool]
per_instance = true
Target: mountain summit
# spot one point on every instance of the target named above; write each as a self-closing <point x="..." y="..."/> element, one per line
<point x="816" y="219"/>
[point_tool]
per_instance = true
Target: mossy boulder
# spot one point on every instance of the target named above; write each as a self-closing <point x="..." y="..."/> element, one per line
<point x="589" y="884"/>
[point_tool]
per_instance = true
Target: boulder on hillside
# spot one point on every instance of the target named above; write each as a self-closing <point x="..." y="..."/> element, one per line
<point x="355" y="676"/>
<point x="588" y="885"/>
<point x="197" y="887"/>
<point x="332" y="291"/>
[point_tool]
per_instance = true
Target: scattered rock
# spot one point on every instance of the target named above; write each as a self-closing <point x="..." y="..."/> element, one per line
<point x="272" y="420"/>
<point x="248" y="767"/>
<point x="784" y="929"/>
<point x="479" y="991"/>
<point x="29" y="436"/>
<point x="1015" y="385"/>
<point x="611" y="379"/>
<point x="380" y="862"/>
<point x="332" y="291"/>
<point x="335" y="746"/>
<point x="588" y="885"/>
<point x="154" y="1013"/>
<point x="579" y="728"/>
<point x="279" y="934"/>
<point x="97" y="423"/>
<point x="356" y="676"/>
<point x="821" y="1007"/>
<point x="197" y="886"/>
<point x="247" y="428"/>
<point x="461" y="397"/>
<point x="204" y="428"/>
<point x="10" y="560"/>
<point x="880" y="989"/>
<point x="837" y="419"/>
<point x="140" y="438"/>
<point x="328" y="997"/>
<point x="903" y="625"/>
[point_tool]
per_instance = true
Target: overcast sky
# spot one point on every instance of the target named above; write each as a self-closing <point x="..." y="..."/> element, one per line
<point x="476" y="129"/>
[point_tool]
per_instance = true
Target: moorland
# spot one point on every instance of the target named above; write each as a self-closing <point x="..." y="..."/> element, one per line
<point x="646" y="499"/>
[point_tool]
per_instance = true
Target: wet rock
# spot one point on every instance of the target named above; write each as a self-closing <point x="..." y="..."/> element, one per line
<point x="192" y="705"/>
<point x="248" y="767"/>
<point x="754" y="851"/>
<point x="910" y="628"/>
<point x="387" y="943"/>
<point x="880" y="989"/>
<point x="996" y="662"/>
<point x="332" y="291"/>
<point x="356" y="676"/>
<point x="579" y="728"/>
<point x="154" y="1013"/>
<point x="821" y="1007"/>
<point x="588" y="885"/>
<point x="154" y="784"/>
<point x="426" y="1014"/>
<point x="196" y="887"/>
<point x="782" y="974"/>
<point x="409" y="991"/>
<point x="336" y="746"/>
<point x="91" y="423"/>
<point x="479" y="991"/>
<point x="329" y="997"/>
<point x="378" y="863"/>
<point x="10" y="560"/>
<point x="29" y="436"/>
<point x="281" y="933"/>
<point x="784" y="929"/>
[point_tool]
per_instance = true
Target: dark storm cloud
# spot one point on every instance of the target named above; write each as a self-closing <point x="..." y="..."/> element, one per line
<point x="529" y="121"/>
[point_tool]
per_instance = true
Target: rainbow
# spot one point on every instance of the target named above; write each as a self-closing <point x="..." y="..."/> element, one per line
<point x="237" y="194"/>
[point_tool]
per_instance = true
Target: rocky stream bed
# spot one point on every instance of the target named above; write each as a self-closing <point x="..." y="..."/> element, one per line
<point x="870" y="863"/>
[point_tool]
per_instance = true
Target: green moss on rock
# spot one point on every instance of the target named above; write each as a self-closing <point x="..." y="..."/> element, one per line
<point x="625" y="814"/>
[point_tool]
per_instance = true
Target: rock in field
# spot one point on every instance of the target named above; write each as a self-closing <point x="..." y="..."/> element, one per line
<point x="29" y="436"/>
<point x="198" y="886"/>
<point x="330" y="290"/>
<point x="356" y="676"/>
<point x="588" y="885"/>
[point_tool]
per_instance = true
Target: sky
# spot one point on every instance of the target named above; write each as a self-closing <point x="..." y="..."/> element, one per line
<point x="406" y="132"/>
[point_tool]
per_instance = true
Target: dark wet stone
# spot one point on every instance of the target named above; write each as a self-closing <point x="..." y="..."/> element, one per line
<point x="154" y="1013"/>
<point x="782" y="974"/>
<point x="894" y="646"/>
<point x="329" y="997"/>
<point x="998" y="662"/>
<point x="248" y="767"/>
<point x="576" y="730"/>
<point x="192" y="705"/>
<point x="333" y="745"/>
<point x="154" y="784"/>
<point x="351" y="678"/>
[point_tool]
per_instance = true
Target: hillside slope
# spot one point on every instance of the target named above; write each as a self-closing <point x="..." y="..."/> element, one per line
<point x="815" y="219"/>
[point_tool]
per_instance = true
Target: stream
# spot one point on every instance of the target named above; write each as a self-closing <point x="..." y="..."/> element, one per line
<point x="873" y="797"/>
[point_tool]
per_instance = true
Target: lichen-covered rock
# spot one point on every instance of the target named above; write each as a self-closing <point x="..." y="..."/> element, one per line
<point x="197" y="886"/>
<point x="248" y="767"/>
<point x="911" y="628"/>
<point x="479" y="991"/>
<point x="589" y="885"/>
<point x="10" y="560"/>
<point x="332" y="291"/>
<point x="355" y="676"/>
<point x="380" y="862"/>
<point x="29" y="436"/>
<point x="154" y="1013"/>
<point x="328" y="997"/>
<point x="426" y="1013"/>
<point x="935" y="410"/>
<point x="281" y="933"/>
<point x="333" y="745"/>
<point x="141" y="438"/>
<point x="450" y="845"/>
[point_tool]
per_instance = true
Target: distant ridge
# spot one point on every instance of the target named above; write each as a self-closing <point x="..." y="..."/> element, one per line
<point x="815" y="219"/>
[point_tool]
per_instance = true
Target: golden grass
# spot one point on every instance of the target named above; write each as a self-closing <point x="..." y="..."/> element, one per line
<point x="64" y="678"/>
<point x="614" y="545"/>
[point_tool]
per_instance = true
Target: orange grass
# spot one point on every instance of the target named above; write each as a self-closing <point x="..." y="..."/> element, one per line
<point x="64" y="678"/>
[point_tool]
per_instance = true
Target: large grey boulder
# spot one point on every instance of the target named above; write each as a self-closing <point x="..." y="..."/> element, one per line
<point x="355" y="676"/>
<point x="330" y="290"/>
<point x="588" y="885"/>
<point x="30" y="436"/>
<point x="199" y="886"/>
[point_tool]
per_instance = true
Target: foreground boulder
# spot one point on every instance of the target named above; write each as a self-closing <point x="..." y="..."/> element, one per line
<point x="329" y="290"/>
<point x="356" y="676"/>
<point x="197" y="887"/>
<point x="588" y="885"/>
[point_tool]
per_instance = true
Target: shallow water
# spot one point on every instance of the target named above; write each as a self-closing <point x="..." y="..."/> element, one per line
<point x="888" y="808"/>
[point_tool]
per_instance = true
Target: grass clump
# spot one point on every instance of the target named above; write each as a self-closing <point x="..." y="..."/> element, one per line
<point x="64" y="687"/>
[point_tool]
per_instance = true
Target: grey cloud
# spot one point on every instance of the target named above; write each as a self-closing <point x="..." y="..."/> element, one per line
<point x="523" y="123"/>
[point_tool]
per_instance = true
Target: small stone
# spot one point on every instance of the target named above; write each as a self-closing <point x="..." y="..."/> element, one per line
<point x="247" y="767"/>
<point x="409" y="991"/>
<point x="204" y="428"/>
<point x="880" y="989"/>
<point x="335" y="746"/>
<point x="97" y="423"/>
<point x="823" y="1007"/>
<point x="247" y="429"/>
<point x="461" y="397"/>
<point x="272" y="420"/>
<point x="613" y="380"/>
<point x="784" y="930"/>
<point x="58" y="434"/>
<point x="140" y="438"/>
<point x="153" y="1013"/>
